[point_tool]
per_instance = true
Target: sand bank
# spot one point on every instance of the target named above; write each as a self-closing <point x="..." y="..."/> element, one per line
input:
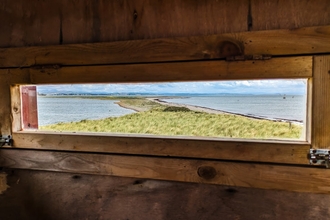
<point x="216" y="111"/>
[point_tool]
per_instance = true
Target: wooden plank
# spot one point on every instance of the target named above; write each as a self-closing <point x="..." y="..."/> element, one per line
<point x="293" y="67"/>
<point x="278" y="42"/>
<point x="27" y="23"/>
<point x="16" y="108"/>
<point x="130" y="198"/>
<point x="171" y="49"/>
<point x="81" y="21"/>
<point x="3" y="182"/>
<point x="189" y="147"/>
<point x="321" y="102"/>
<point x="8" y="115"/>
<point x="9" y="77"/>
<point x="101" y="21"/>
<point x="298" y="179"/>
<point x="288" y="42"/>
<point x="15" y="76"/>
<point x="5" y="120"/>
<point x="269" y="14"/>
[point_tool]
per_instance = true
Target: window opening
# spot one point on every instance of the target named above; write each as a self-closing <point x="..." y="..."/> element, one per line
<point x="252" y="109"/>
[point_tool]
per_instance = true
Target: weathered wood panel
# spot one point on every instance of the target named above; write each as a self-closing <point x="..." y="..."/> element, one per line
<point x="81" y="21"/>
<point x="9" y="77"/>
<point x="28" y="23"/>
<point x="293" y="67"/>
<point x="5" y="119"/>
<point x="16" y="108"/>
<point x="169" y="49"/>
<point x="3" y="182"/>
<point x="49" y="195"/>
<point x="237" y="150"/>
<point x="102" y="20"/>
<point x="264" y="176"/>
<point x="269" y="14"/>
<point x="321" y="102"/>
<point x="277" y="42"/>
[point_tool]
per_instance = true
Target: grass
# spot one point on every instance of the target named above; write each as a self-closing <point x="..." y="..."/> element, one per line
<point x="155" y="118"/>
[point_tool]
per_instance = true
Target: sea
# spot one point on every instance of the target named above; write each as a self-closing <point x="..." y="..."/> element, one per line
<point x="53" y="110"/>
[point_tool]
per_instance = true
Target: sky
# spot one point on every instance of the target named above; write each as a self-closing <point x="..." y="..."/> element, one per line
<point x="294" y="87"/>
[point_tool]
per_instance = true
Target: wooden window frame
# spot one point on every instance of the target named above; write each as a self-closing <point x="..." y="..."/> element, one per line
<point x="179" y="59"/>
<point x="207" y="148"/>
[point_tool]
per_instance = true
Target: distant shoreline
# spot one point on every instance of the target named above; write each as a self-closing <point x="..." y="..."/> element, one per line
<point x="158" y="99"/>
<point x="216" y="111"/>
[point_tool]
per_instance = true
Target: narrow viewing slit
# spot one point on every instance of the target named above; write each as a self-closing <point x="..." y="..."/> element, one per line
<point x="254" y="109"/>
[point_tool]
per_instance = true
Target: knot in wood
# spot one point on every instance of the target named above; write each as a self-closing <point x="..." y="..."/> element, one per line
<point x="206" y="172"/>
<point x="228" y="48"/>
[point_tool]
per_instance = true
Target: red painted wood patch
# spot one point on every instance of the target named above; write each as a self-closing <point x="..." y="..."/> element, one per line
<point x="29" y="107"/>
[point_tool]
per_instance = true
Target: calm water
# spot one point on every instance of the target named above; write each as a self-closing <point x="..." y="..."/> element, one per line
<point x="55" y="110"/>
<point x="275" y="107"/>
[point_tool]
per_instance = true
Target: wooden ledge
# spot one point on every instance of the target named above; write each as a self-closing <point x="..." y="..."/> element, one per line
<point x="310" y="40"/>
<point x="205" y="148"/>
<point x="292" y="178"/>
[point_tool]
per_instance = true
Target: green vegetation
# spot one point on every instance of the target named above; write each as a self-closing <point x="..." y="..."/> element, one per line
<point x="154" y="118"/>
<point x="139" y="104"/>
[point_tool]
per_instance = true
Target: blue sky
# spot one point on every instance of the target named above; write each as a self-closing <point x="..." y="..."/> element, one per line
<point x="295" y="87"/>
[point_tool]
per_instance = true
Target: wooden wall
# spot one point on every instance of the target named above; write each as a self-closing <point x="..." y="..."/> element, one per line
<point x="47" y="195"/>
<point x="51" y="22"/>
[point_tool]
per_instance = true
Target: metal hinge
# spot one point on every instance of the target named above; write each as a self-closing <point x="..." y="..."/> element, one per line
<point x="319" y="157"/>
<point x="6" y="140"/>
<point x="249" y="57"/>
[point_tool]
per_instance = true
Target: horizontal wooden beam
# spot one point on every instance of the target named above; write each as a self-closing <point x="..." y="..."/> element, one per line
<point x="300" y="41"/>
<point x="289" y="67"/>
<point x="299" y="179"/>
<point x="188" y="147"/>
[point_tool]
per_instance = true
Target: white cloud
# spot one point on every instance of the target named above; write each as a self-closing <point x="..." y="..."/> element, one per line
<point x="244" y="86"/>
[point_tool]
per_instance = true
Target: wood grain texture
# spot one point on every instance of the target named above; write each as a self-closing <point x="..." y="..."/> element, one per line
<point x="277" y="42"/>
<point x="310" y="40"/>
<point x="293" y="67"/>
<point x="102" y="21"/>
<point x="3" y="182"/>
<point x="14" y="76"/>
<point x="238" y="150"/>
<point x="82" y="21"/>
<point x="321" y="102"/>
<point x="157" y="50"/>
<point x="5" y="118"/>
<point x="9" y="77"/>
<point x="16" y="108"/>
<point x="65" y="196"/>
<point x="269" y="14"/>
<point x="298" y="179"/>
<point x="28" y="23"/>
